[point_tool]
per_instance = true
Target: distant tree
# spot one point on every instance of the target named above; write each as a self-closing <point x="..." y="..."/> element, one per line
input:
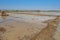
<point x="0" y="11"/>
<point x="38" y="10"/>
<point x="17" y="10"/>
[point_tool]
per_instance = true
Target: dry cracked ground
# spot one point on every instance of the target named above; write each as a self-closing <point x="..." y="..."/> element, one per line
<point x="29" y="27"/>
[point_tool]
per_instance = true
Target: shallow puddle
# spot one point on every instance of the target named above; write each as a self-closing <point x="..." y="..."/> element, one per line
<point x="25" y="18"/>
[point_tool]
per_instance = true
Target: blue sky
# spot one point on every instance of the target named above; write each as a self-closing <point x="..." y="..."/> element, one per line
<point x="30" y="4"/>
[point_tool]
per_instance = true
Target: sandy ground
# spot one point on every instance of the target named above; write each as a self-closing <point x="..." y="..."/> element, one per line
<point x="22" y="29"/>
<point x="25" y="27"/>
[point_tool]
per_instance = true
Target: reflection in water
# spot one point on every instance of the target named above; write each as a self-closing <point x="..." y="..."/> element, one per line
<point x="3" y="17"/>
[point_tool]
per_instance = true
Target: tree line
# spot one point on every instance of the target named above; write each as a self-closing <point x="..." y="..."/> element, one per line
<point x="31" y="10"/>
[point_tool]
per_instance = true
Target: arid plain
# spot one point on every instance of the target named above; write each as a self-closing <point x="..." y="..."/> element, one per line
<point x="30" y="26"/>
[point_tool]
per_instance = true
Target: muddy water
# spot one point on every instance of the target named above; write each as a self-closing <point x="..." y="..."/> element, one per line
<point x="25" y="18"/>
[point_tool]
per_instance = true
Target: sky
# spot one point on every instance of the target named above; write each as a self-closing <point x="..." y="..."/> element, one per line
<point x="30" y="4"/>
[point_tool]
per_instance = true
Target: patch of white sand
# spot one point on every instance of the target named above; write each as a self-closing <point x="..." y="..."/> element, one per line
<point x="57" y="33"/>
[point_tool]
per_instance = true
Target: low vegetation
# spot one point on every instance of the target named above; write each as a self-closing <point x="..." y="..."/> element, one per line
<point x="31" y="10"/>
